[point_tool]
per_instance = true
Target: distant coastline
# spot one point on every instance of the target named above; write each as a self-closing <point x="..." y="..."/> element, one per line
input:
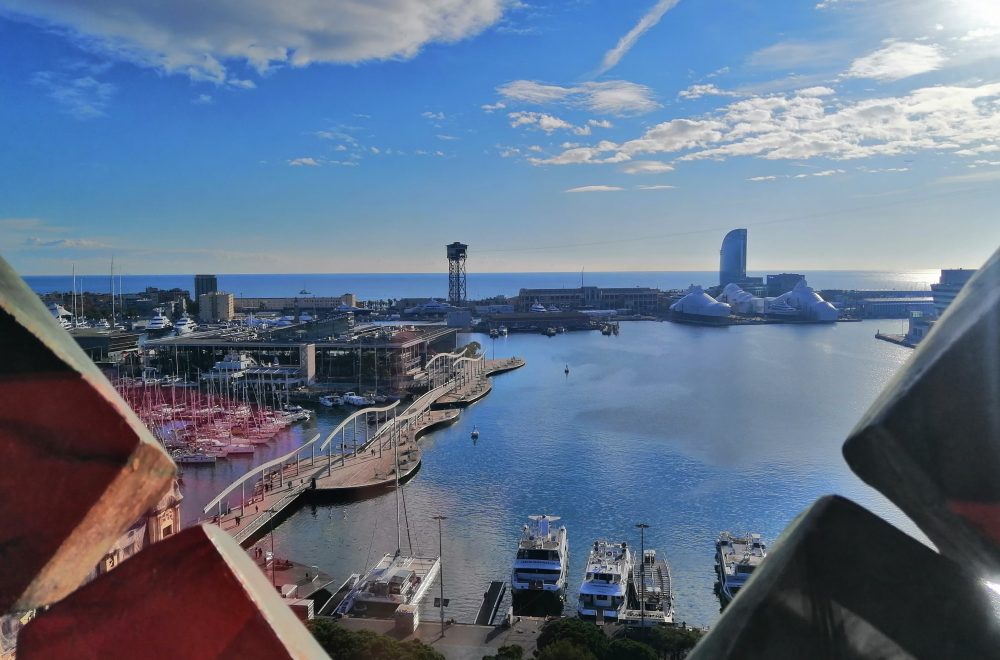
<point x="375" y="286"/>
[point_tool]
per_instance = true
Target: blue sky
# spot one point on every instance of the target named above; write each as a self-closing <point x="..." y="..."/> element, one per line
<point x="352" y="136"/>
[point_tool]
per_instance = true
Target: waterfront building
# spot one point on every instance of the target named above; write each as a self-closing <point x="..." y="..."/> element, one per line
<point x="733" y="257"/>
<point x="894" y="308"/>
<point x="214" y="307"/>
<point x="948" y="286"/>
<point x="327" y="351"/>
<point x="741" y="302"/>
<point x="295" y="305"/>
<point x="699" y="307"/>
<point x="627" y="300"/>
<point x="204" y="284"/>
<point x="782" y="283"/>
<point x="802" y="303"/>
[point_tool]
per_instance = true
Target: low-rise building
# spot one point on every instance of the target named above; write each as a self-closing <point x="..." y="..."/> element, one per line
<point x="214" y="307"/>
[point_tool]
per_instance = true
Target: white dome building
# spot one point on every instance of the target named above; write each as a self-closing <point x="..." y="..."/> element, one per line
<point x="741" y="301"/>
<point x="699" y="307"/>
<point x="804" y="303"/>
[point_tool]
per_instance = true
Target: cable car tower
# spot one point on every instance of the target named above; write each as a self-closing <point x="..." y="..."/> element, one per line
<point x="456" y="272"/>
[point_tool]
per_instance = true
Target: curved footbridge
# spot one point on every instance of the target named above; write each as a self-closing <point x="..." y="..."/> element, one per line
<point x="359" y="457"/>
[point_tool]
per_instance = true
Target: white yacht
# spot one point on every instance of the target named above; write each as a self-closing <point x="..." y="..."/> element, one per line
<point x="538" y="308"/>
<point x="502" y="330"/>
<point x="159" y="324"/>
<point x="540" y="569"/>
<point x="102" y="324"/>
<point x="604" y="592"/>
<point x="736" y="557"/>
<point x="353" y="399"/>
<point x="60" y="314"/>
<point x="185" y="325"/>
<point x="331" y="400"/>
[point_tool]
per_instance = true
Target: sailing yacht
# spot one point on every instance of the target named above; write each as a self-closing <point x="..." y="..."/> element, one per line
<point x="60" y="314"/>
<point x="604" y="592"/>
<point x="538" y="578"/>
<point x="396" y="579"/>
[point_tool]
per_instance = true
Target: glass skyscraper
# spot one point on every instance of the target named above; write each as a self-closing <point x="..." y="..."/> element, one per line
<point x="733" y="257"/>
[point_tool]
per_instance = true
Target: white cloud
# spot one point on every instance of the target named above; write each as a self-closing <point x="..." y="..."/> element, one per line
<point x="432" y="115"/>
<point x="83" y="97"/>
<point x="897" y="60"/>
<point x="493" y="107"/>
<point x="442" y="136"/>
<point x="613" y="97"/>
<point x="202" y="99"/>
<point x="509" y="152"/>
<point x="241" y="84"/>
<point x="600" y="123"/>
<point x="624" y="45"/>
<point x="585" y="189"/>
<point x="304" y="162"/>
<point x="658" y="187"/>
<point x="880" y="170"/>
<point x="646" y="167"/>
<point x="375" y="150"/>
<point x="815" y="91"/>
<point x="973" y="177"/>
<point x="762" y="178"/>
<point x="184" y="37"/>
<point x="964" y="120"/>
<point x="545" y="122"/>
<point x="697" y="91"/>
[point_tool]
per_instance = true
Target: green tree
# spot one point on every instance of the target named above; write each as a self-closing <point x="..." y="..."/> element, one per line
<point x="471" y="349"/>
<point x="512" y="652"/>
<point x="629" y="649"/>
<point x="565" y="649"/>
<point x="674" y="642"/>
<point x="584" y="634"/>
<point x="343" y="644"/>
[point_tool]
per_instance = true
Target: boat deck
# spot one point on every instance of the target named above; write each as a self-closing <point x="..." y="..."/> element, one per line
<point x="658" y="591"/>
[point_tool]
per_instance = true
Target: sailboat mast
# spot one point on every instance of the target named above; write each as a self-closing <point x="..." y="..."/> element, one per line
<point x="112" y="291"/>
<point x="395" y="457"/>
<point x="75" y="320"/>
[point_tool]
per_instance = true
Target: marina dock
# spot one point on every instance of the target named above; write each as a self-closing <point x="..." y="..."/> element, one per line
<point x="358" y="458"/>
<point x="491" y="603"/>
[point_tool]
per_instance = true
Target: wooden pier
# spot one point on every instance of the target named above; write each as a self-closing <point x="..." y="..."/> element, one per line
<point x="354" y="460"/>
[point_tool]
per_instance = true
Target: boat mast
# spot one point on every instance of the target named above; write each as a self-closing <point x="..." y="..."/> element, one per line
<point x="395" y="457"/>
<point x="75" y="320"/>
<point x="112" y="291"/>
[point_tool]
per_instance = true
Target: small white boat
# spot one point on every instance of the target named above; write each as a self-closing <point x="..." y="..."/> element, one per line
<point x="352" y="399"/>
<point x="502" y="330"/>
<point x="475" y="433"/>
<point x="331" y="400"/>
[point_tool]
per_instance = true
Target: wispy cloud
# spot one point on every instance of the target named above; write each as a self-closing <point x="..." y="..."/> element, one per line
<point x="973" y="177"/>
<point x="613" y="97"/>
<point x="646" y="167"/>
<point x="438" y="116"/>
<point x="697" y="91"/>
<point x="775" y="177"/>
<point x="897" y="60"/>
<point x="658" y="187"/>
<point x="83" y="97"/>
<point x="75" y="243"/>
<point x="202" y="99"/>
<point x="624" y="45"/>
<point x="304" y="162"/>
<point x="587" y="189"/>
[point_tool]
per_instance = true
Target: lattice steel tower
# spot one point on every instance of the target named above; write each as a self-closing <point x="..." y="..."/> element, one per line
<point x="456" y="272"/>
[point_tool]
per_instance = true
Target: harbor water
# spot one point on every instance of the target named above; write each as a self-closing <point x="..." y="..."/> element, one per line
<point x="692" y="430"/>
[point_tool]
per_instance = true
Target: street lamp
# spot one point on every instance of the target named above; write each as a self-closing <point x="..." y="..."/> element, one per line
<point x="441" y="558"/>
<point x="271" y="522"/>
<point x="642" y="571"/>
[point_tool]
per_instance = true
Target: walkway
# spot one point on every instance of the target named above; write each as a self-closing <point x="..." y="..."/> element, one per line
<point x="366" y="455"/>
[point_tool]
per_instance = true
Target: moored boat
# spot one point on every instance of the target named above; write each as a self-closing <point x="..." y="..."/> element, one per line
<point x="736" y="559"/>
<point x="538" y="578"/>
<point x="604" y="592"/>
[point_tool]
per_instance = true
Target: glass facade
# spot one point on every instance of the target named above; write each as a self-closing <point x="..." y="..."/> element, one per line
<point x="733" y="257"/>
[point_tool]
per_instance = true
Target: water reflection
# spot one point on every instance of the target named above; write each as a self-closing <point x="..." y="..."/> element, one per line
<point x="693" y="430"/>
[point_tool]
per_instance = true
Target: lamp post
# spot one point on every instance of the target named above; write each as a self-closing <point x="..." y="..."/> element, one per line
<point x="271" y="522"/>
<point x="642" y="572"/>
<point x="441" y="557"/>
